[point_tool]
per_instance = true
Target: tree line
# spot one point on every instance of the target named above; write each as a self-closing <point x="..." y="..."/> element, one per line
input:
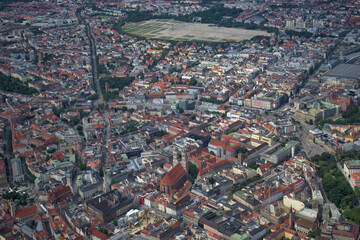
<point x="218" y="15"/>
<point x="114" y="82"/>
<point x="336" y="187"/>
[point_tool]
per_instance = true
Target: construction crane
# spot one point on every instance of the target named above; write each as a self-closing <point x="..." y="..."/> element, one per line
<point x="144" y="215"/>
<point x="166" y="221"/>
<point x="312" y="164"/>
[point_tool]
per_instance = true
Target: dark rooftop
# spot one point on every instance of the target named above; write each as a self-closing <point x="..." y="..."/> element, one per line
<point x="345" y="70"/>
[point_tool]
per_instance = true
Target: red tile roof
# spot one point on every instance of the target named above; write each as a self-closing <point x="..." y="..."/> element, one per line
<point x="98" y="234"/>
<point x="353" y="233"/>
<point x="173" y="176"/>
<point x="265" y="166"/>
<point x="26" y="211"/>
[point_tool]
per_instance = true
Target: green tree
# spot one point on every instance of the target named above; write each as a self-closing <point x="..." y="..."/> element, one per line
<point x="58" y="111"/>
<point x="115" y="222"/>
<point x="101" y="171"/>
<point x="314" y="234"/>
<point x="240" y="186"/>
<point x="335" y="185"/>
<point x="357" y="191"/>
<point x="30" y="176"/>
<point x="48" y="57"/>
<point x="232" y="130"/>
<point x="82" y="166"/>
<point x="193" y="171"/>
<point x="347" y="156"/>
<point x="101" y="68"/>
<point x="83" y="114"/>
<point x="353" y="214"/>
<point x="103" y="230"/>
<point x="211" y="100"/>
<point x="241" y="150"/>
<point x="72" y="102"/>
<point x="253" y="165"/>
<point x="161" y="133"/>
<point x="193" y="82"/>
<point x="93" y="97"/>
<point x="80" y="130"/>
<point x="11" y="84"/>
<point x="298" y="34"/>
<point x="351" y="116"/>
<point x="129" y="129"/>
<point x="114" y="82"/>
<point x="74" y="121"/>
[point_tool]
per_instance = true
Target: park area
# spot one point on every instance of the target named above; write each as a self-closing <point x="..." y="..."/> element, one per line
<point x="168" y="29"/>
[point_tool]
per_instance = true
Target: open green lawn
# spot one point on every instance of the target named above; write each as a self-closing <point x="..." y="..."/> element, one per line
<point x="182" y="31"/>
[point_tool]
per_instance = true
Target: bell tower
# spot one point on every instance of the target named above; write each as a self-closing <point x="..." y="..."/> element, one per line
<point x="184" y="159"/>
<point x="175" y="155"/>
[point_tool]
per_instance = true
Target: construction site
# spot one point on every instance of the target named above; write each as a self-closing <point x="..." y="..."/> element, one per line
<point x="136" y="220"/>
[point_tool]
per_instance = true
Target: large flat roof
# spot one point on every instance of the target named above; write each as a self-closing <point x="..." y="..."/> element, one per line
<point x="345" y="70"/>
<point x="353" y="164"/>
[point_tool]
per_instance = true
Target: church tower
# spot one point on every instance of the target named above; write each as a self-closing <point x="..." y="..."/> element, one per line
<point x="175" y="156"/>
<point x="184" y="159"/>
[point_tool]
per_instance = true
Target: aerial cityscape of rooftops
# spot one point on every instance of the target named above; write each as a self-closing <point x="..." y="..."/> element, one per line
<point x="193" y="119"/>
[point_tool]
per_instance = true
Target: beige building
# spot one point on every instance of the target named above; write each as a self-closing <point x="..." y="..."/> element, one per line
<point x="317" y="111"/>
<point x="269" y="139"/>
<point x="292" y="203"/>
<point x="351" y="167"/>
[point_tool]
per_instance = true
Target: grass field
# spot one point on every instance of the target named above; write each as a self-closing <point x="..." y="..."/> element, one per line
<point x="182" y="31"/>
<point x="104" y="16"/>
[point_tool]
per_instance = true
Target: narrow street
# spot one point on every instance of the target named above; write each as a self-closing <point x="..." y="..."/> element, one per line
<point x="94" y="65"/>
<point x="97" y="88"/>
<point x="7" y="155"/>
<point x="93" y="61"/>
<point x="311" y="149"/>
<point x="106" y="137"/>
